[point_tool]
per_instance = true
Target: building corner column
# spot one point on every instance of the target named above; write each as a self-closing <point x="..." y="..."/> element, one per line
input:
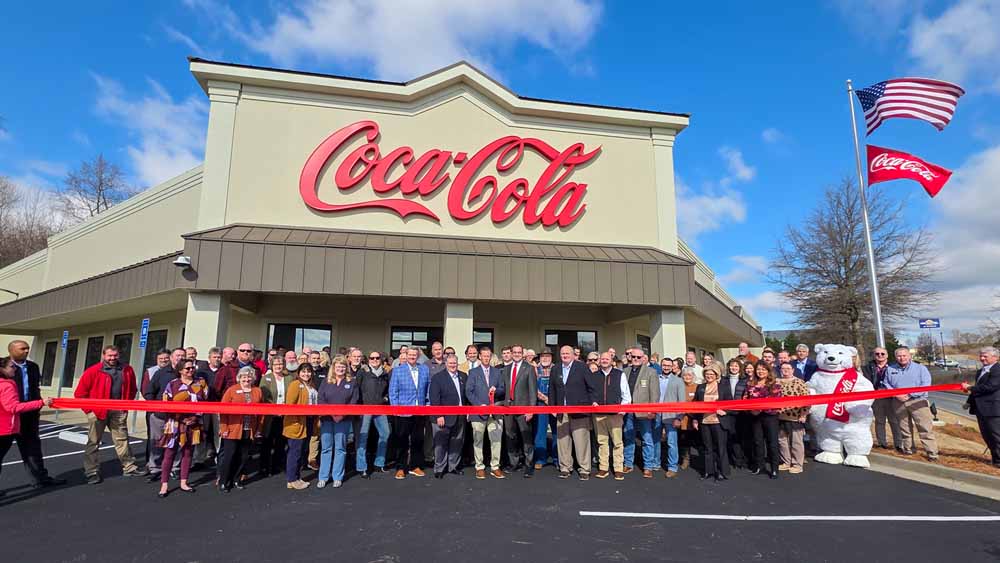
<point x="666" y="332"/>
<point x="666" y="195"/>
<point x="207" y="322"/>
<point x="458" y="326"/>
<point x="223" y="98"/>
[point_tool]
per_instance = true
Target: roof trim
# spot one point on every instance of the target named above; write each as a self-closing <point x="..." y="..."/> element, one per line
<point x="206" y="70"/>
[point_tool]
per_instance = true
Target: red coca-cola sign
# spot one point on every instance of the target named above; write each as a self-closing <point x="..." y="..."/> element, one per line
<point x="473" y="182"/>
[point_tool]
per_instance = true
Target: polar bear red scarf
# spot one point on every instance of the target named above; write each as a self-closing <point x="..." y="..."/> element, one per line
<point x="838" y="411"/>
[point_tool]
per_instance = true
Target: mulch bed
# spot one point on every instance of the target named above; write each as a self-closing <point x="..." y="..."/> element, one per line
<point x="977" y="463"/>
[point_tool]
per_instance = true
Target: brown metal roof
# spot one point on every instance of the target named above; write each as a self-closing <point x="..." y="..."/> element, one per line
<point x="340" y="262"/>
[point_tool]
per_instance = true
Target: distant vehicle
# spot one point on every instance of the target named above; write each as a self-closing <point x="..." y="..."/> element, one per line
<point x="941" y="363"/>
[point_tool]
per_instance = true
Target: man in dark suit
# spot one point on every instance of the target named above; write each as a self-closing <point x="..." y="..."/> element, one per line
<point x="522" y="390"/>
<point x="984" y="401"/>
<point x="571" y="384"/>
<point x="448" y="388"/>
<point x="28" y="377"/>
<point x="803" y="363"/>
<point x="485" y="387"/>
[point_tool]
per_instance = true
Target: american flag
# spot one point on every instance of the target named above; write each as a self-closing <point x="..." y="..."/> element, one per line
<point x="917" y="98"/>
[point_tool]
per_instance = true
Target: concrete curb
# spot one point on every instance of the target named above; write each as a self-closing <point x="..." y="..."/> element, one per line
<point x="947" y="477"/>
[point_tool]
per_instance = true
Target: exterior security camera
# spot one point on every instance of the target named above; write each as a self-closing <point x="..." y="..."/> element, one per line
<point x="183" y="262"/>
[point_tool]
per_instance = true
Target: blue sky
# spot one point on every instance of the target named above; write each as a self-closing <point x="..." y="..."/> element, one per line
<point x="764" y="83"/>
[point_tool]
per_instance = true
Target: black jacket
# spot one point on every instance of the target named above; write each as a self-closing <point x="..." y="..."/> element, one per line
<point x="374" y="389"/>
<point x="984" y="396"/>
<point x="34" y="382"/>
<point x="442" y="393"/>
<point x="728" y="421"/>
<point x="158" y="383"/>
<point x="580" y="388"/>
<point x="610" y="390"/>
<point x="871" y="373"/>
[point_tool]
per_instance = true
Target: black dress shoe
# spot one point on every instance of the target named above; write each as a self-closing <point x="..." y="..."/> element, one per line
<point x="378" y="469"/>
<point x="366" y="475"/>
<point x="192" y="490"/>
<point x="755" y="471"/>
<point x="721" y="477"/>
<point x="439" y="474"/>
<point x="773" y="475"/>
<point x="163" y="495"/>
<point x="225" y="488"/>
<point x="94" y="480"/>
<point x="529" y="473"/>
<point x="49" y="482"/>
<point x="241" y="484"/>
<point x="457" y="472"/>
<point x="705" y="476"/>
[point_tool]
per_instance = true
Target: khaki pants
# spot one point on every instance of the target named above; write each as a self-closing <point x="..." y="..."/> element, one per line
<point x="117" y="424"/>
<point x="885" y="411"/>
<point x="609" y="427"/>
<point x="791" y="446"/>
<point x="573" y="434"/>
<point x="919" y="410"/>
<point x="494" y="428"/>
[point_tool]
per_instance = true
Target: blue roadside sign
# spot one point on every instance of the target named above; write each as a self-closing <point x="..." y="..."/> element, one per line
<point x="144" y="333"/>
<point x="929" y="323"/>
<point x="65" y="339"/>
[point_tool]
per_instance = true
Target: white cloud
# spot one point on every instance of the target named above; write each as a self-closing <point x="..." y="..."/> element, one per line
<point x="403" y="39"/>
<point x="772" y="135"/>
<point x="737" y="167"/>
<point x="37" y="174"/>
<point x="879" y="19"/>
<point x="4" y="134"/>
<point x="765" y="302"/>
<point x="961" y="44"/>
<point x="709" y="210"/>
<point x="196" y="49"/>
<point x="967" y="241"/>
<point x="80" y="137"/>
<point x="170" y="135"/>
<point x="748" y="269"/>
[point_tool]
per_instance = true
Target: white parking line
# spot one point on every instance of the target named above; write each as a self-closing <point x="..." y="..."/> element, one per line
<point x="799" y="517"/>
<point x="70" y="453"/>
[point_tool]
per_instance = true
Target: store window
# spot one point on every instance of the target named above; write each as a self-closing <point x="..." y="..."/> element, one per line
<point x="156" y="340"/>
<point x="586" y="340"/>
<point x="94" y="345"/>
<point x="643" y="342"/>
<point x="69" y="366"/>
<point x="49" y="362"/>
<point x="298" y="336"/>
<point x="424" y="336"/>
<point x="124" y="344"/>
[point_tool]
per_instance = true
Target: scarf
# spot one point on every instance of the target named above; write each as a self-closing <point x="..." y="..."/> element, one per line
<point x="838" y="411"/>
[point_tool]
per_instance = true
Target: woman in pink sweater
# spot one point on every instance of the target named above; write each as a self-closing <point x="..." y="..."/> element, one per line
<point x="11" y="407"/>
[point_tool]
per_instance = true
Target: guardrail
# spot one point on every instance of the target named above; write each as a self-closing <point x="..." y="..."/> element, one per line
<point x="705" y="277"/>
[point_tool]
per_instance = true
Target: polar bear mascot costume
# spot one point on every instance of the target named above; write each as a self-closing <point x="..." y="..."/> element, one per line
<point x="840" y="427"/>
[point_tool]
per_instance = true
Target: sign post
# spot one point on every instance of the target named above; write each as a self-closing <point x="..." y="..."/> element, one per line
<point x="929" y="324"/>
<point x="143" y="338"/>
<point x="59" y="379"/>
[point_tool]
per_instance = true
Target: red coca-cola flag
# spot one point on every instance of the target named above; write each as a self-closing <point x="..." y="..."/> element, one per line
<point x="889" y="164"/>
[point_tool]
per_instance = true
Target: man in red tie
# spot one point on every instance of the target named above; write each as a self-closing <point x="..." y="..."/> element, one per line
<point x="521" y="387"/>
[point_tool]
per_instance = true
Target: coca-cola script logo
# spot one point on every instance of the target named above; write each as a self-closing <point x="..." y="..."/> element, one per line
<point x="846" y="386"/>
<point x="885" y="161"/>
<point x="551" y="199"/>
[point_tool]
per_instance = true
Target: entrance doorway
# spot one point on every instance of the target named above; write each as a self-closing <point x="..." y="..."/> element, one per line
<point x="586" y="340"/>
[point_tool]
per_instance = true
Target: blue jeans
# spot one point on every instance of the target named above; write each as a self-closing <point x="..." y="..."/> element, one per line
<point x="542" y="425"/>
<point x="333" y="449"/>
<point x="361" y="441"/>
<point x="628" y="437"/>
<point x="650" y="431"/>
<point x="673" y="454"/>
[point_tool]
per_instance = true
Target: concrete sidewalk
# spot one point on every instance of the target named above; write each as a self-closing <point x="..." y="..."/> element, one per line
<point x="968" y="482"/>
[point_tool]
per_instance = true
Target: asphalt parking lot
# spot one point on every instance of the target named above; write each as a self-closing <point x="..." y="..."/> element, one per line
<point x="462" y="519"/>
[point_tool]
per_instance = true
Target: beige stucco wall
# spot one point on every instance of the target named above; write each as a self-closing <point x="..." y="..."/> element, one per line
<point x="172" y="321"/>
<point x="145" y="226"/>
<point x="275" y="134"/>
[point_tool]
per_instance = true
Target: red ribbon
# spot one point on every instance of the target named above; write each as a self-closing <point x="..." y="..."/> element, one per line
<point x="312" y="410"/>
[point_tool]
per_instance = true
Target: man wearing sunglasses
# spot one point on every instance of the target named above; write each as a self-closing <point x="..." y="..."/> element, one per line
<point x="883" y="408"/>
<point x="374" y="387"/>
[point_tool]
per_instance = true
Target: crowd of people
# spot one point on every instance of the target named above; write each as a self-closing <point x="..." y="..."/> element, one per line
<point x="763" y="442"/>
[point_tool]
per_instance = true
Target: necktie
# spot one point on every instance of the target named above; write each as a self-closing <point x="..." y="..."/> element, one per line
<point x="513" y="379"/>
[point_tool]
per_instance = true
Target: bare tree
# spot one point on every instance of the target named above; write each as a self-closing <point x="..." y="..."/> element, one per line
<point x="93" y="188"/>
<point x="27" y="222"/>
<point x="822" y="266"/>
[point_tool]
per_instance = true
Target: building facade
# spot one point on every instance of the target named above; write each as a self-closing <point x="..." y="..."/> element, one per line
<point x="340" y="211"/>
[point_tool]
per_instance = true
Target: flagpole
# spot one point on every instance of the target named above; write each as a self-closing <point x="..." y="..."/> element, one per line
<point x="879" y="333"/>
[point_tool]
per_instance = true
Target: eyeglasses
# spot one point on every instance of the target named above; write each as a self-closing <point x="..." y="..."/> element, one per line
<point x="244" y="350"/>
<point x="591" y="360"/>
<point x="881" y="354"/>
<point x="374" y="358"/>
<point x="187" y="368"/>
